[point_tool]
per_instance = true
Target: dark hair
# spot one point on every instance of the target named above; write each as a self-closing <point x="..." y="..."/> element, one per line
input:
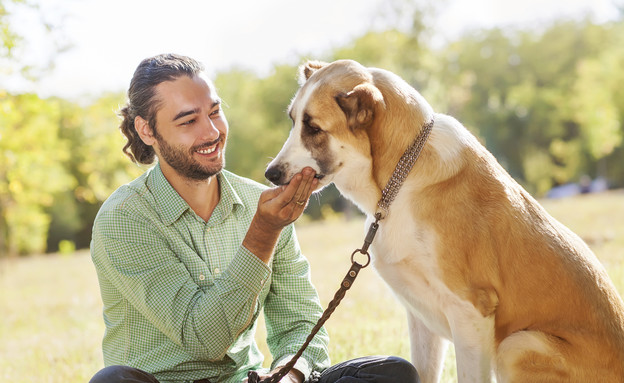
<point x="142" y="100"/>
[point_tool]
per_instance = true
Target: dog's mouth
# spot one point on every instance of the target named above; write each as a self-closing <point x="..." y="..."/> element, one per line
<point x="277" y="174"/>
<point x="317" y="176"/>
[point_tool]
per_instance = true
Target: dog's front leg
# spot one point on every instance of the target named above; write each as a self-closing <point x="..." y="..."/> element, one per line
<point x="473" y="339"/>
<point x="428" y="350"/>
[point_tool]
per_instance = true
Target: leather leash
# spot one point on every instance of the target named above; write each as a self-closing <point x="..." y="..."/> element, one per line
<point x="404" y="166"/>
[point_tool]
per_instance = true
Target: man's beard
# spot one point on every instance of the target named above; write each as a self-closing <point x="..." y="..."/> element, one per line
<point x="181" y="160"/>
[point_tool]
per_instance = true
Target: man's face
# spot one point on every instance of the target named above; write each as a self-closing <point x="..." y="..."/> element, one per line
<point x="191" y="129"/>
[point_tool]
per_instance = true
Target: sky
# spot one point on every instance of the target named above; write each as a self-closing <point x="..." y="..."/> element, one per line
<point x="107" y="39"/>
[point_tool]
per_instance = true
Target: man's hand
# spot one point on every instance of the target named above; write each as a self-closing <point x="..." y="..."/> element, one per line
<point x="293" y="376"/>
<point x="277" y="208"/>
<point x="282" y="205"/>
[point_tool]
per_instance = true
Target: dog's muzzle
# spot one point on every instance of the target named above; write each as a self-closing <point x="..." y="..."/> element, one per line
<point x="276" y="175"/>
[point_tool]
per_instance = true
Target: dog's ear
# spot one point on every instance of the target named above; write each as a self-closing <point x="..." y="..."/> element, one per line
<point x="359" y="105"/>
<point x="306" y="70"/>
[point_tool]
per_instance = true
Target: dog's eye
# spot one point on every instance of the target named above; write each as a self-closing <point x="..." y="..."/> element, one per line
<point x="312" y="129"/>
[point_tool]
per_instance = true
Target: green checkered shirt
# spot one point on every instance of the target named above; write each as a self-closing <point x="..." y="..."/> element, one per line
<point x="181" y="296"/>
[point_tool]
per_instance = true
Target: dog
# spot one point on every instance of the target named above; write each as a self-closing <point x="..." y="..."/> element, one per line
<point x="469" y="253"/>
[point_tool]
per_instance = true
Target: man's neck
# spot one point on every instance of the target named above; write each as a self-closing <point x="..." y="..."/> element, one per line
<point x="201" y="196"/>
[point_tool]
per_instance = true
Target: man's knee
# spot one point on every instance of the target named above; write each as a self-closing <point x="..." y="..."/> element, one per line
<point x="122" y="374"/>
<point x="378" y="369"/>
<point x="403" y="370"/>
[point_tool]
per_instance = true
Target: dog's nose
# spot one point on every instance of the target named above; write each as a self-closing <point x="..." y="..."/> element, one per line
<point x="273" y="174"/>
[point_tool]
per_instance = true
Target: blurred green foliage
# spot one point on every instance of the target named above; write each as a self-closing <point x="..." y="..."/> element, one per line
<point x="548" y="103"/>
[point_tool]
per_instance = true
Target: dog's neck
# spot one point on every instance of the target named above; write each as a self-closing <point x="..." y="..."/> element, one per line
<point x="396" y="126"/>
<point x="364" y="186"/>
<point x="358" y="185"/>
<point x="440" y="160"/>
<point x="389" y="142"/>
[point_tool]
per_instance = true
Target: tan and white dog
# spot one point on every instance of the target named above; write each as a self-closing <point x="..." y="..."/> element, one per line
<point x="469" y="253"/>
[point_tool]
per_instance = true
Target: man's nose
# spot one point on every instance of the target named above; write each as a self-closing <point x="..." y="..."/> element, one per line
<point x="210" y="131"/>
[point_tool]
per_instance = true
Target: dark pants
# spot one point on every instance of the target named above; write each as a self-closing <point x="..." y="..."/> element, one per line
<point x="370" y="369"/>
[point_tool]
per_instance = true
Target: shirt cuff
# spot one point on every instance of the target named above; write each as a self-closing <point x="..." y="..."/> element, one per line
<point x="301" y="365"/>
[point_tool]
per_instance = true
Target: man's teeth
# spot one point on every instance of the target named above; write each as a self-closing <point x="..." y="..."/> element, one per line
<point x="207" y="151"/>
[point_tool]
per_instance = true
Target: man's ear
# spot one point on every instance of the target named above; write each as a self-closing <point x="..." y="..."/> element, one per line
<point x="306" y="70"/>
<point x="359" y="105"/>
<point x="144" y="130"/>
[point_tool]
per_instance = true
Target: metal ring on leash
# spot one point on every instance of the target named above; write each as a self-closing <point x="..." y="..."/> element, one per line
<point x="368" y="258"/>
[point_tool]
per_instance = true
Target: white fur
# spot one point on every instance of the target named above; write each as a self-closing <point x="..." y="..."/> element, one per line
<point x="514" y="346"/>
<point x="354" y="179"/>
<point x="293" y="154"/>
<point x="404" y="255"/>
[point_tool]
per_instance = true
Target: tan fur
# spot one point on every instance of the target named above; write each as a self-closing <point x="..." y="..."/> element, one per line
<point x="473" y="257"/>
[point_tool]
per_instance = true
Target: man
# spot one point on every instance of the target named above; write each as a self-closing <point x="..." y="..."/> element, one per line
<point x="189" y="254"/>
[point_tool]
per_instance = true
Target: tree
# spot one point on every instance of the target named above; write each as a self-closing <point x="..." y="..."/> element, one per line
<point x="8" y="38"/>
<point x="256" y="112"/>
<point x="13" y="46"/>
<point x="96" y="164"/>
<point x="31" y="171"/>
<point x="31" y="149"/>
<point x="520" y="92"/>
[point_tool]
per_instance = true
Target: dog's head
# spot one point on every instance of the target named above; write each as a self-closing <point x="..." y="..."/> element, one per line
<point x="331" y="113"/>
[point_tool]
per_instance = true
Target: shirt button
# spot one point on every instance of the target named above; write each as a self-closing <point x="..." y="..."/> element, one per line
<point x="216" y="270"/>
<point x="201" y="277"/>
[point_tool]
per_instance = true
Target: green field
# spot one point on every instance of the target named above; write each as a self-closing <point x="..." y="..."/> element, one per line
<point x="50" y="309"/>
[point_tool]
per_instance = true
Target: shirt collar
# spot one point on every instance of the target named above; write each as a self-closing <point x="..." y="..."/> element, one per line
<point x="170" y="205"/>
<point x="230" y="201"/>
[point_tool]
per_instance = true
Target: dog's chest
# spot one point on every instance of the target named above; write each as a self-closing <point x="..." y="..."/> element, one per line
<point x="404" y="256"/>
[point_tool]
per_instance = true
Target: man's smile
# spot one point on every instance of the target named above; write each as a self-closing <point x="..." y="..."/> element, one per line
<point x="207" y="150"/>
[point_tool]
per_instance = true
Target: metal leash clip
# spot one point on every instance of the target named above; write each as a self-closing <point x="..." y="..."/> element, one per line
<point x="372" y="230"/>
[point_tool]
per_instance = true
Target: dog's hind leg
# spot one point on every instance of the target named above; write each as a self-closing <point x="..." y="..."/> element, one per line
<point x="530" y="356"/>
<point x="427" y="349"/>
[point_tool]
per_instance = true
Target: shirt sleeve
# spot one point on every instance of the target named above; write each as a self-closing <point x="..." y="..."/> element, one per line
<point x="135" y="257"/>
<point x="292" y="309"/>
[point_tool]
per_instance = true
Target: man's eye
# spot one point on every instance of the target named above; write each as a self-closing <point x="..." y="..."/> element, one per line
<point x="216" y="112"/>
<point x="189" y="122"/>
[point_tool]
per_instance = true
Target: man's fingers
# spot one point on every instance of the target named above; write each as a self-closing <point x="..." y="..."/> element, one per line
<point x="261" y="376"/>
<point x="297" y="191"/>
<point x="304" y="190"/>
<point x="272" y="193"/>
<point x="284" y="204"/>
<point x="288" y="193"/>
<point x="302" y="200"/>
<point x="309" y="187"/>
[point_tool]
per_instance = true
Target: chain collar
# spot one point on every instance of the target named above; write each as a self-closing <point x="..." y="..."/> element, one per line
<point x="404" y="166"/>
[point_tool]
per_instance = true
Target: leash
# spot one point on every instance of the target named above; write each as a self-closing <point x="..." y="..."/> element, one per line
<point x="404" y="166"/>
<point x="346" y="284"/>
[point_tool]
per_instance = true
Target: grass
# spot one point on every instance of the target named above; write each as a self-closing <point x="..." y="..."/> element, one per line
<point x="50" y="309"/>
